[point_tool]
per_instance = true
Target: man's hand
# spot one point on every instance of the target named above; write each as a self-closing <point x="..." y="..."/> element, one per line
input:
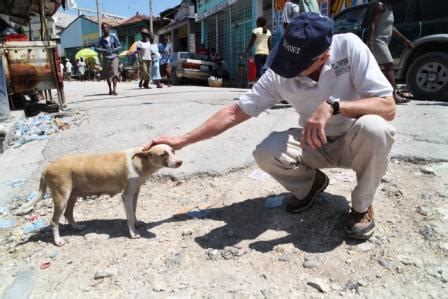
<point x="175" y="142"/>
<point x="313" y="133"/>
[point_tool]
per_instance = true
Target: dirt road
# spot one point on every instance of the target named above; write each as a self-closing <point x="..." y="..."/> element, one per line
<point x="214" y="237"/>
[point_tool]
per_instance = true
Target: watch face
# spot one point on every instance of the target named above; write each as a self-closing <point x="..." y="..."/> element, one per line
<point x="333" y="99"/>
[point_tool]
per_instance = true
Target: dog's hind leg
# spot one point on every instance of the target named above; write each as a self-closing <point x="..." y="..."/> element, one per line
<point x="60" y="199"/>
<point x="128" y="200"/>
<point x="69" y="214"/>
<point x="134" y="206"/>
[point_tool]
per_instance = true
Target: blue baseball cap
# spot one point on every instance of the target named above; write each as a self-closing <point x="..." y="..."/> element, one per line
<point x="306" y="37"/>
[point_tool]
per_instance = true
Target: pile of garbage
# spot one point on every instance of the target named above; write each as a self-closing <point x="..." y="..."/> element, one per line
<point x="43" y="125"/>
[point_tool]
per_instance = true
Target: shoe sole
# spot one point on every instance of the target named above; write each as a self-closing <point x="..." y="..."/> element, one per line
<point x="324" y="186"/>
<point x="360" y="235"/>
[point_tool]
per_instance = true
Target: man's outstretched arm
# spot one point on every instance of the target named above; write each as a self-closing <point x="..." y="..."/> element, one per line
<point x="219" y="122"/>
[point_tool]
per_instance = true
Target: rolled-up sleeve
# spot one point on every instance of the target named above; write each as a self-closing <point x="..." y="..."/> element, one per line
<point x="262" y="96"/>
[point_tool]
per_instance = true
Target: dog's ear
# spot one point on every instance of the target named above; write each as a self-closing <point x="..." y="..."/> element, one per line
<point x="142" y="154"/>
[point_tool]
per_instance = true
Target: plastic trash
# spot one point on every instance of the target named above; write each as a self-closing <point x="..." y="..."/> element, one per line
<point x="196" y="213"/>
<point x="7" y="223"/>
<point x="35" y="226"/>
<point x="39" y="128"/>
<point x="21" y="287"/>
<point x="258" y="175"/>
<point x="32" y="196"/>
<point x="274" y="201"/>
<point x="3" y="210"/>
<point x="16" y="183"/>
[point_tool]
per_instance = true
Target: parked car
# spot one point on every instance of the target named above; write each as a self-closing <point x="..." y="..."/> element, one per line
<point x="190" y="66"/>
<point x="425" y="67"/>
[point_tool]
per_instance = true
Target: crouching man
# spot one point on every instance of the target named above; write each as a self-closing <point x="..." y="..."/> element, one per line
<point x="344" y="104"/>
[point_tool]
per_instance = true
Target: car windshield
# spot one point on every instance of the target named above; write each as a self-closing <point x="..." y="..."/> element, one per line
<point x="350" y="17"/>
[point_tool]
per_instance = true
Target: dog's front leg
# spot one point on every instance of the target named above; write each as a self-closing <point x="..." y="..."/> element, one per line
<point x="128" y="200"/>
<point x="134" y="205"/>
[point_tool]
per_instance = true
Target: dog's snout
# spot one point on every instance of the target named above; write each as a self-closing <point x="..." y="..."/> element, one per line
<point x="178" y="163"/>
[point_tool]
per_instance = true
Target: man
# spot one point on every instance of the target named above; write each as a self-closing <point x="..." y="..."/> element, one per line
<point x="344" y="102"/>
<point x="380" y="33"/>
<point x="109" y="46"/>
<point x="144" y="59"/>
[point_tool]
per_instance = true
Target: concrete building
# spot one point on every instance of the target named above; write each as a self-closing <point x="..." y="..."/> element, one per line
<point x="128" y="31"/>
<point x="185" y="32"/>
<point x="83" y="32"/>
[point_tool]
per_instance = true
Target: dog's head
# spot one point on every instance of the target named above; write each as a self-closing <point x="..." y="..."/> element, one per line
<point x="161" y="155"/>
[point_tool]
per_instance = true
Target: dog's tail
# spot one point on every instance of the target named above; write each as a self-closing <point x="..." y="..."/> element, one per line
<point x="29" y="206"/>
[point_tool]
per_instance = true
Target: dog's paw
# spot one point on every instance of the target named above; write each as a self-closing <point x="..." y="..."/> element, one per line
<point x="135" y="236"/>
<point x="59" y="242"/>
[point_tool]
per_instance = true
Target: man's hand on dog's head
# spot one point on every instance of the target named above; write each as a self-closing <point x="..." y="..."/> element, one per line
<point x="174" y="141"/>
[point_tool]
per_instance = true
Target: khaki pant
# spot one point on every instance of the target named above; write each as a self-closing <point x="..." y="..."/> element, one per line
<point x="364" y="148"/>
<point x="145" y="70"/>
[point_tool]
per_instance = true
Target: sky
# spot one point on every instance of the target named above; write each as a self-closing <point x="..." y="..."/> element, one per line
<point x="127" y="8"/>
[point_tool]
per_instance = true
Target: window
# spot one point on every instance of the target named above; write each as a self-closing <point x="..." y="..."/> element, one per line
<point x="434" y="9"/>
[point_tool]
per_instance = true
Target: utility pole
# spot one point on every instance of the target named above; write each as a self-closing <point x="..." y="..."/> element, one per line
<point x="98" y="17"/>
<point x="150" y="17"/>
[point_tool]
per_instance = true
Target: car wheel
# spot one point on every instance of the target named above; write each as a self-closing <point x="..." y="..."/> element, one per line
<point x="427" y="77"/>
<point x="174" y="78"/>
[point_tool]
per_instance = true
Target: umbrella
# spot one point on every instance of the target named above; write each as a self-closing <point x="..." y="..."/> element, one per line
<point x="123" y="54"/>
<point x="132" y="49"/>
<point x="86" y="53"/>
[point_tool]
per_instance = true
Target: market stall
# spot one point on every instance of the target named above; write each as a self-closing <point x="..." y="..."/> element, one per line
<point x="30" y="67"/>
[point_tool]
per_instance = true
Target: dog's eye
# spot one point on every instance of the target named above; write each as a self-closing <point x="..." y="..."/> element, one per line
<point x="174" y="152"/>
<point x="165" y="154"/>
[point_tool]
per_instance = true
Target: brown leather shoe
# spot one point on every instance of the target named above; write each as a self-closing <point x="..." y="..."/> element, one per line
<point x="294" y="205"/>
<point x="360" y="225"/>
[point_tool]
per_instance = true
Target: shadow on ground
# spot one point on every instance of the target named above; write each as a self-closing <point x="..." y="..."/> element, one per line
<point x="115" y="228"/>
<point x="319" y="229"/>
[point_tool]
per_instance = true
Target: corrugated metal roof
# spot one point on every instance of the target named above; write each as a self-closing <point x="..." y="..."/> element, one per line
<point x="21" y="9"/>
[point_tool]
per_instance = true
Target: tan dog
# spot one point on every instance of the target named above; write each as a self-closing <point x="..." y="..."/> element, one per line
<point x="84" y="175"/>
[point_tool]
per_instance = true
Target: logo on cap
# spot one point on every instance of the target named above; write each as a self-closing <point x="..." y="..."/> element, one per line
<point x="290" y="48"/>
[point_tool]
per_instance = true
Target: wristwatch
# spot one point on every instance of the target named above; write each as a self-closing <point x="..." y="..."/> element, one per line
<point x="334" y="103"/>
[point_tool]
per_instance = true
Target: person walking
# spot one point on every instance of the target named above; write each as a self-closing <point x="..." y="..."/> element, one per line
<point x="165" y="51"/>
<point x="262" y="39"/>
<point x="68" y="70"/>
<point x="344" y="104"/>
<point x="81" y="68"/>
<point x="380" y="33"/>
<point x="155" y="56"/>
<point x="109" y="46"/>
<point x="144" y="59"/>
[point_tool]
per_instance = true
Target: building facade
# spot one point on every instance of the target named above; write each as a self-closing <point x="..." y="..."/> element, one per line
<point x="129" y="30"/>
<point x="82" y="33"/>
<point x="183" y="29"/>
<point x="227" y="25"/>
